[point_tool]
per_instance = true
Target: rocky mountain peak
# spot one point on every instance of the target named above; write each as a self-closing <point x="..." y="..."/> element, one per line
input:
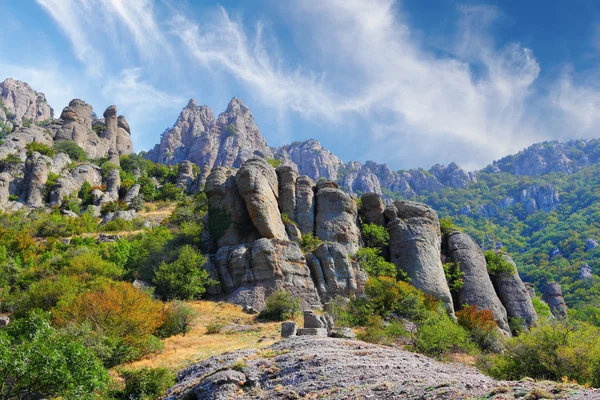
<point x="192" y="103"/>
<point x="19" y="101"/>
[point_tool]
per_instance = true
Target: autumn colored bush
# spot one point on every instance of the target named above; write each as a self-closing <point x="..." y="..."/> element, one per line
<point x="126" y="316"/>
<point x="471" y="317"/>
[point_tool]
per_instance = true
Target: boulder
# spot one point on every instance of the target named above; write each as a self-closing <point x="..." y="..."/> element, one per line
<point x="305" y="204"/>
<point x="585" y="272"/>
<point x="287" y="177"/>
<point x="113" y="184"/>
<point x="372" y="209"/>
<point x="257" y="184"/>
<point x="132" y="193"/>
<point x="228" y="220"/>
<point x="334" y="273"/>
<point x="123" y="140"/>
<point x="185" y="174"/>
<point x="514" y="295"/>
<point x="415" y="246"/>
<point x="553" y="296"/>
<point x="71" y="184"/>
<point x="343" y="333"/>
<point x="38" y="170"/>
<point x="288" y="329"/>
<point x="314" y="321"/>
<point x="128" y="215"/>
<point x="477" y="287"/>
<point x="275" y="264"/>
<point x="5" y="180"/>
<point x="336" y="216"/>
<point x="590" y="244"/>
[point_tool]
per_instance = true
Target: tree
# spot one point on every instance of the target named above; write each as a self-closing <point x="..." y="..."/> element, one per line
<point x="72" y="149"/>
<point x="373" y="263"/>
<point x="375" y="235"/>
<point x="37" y="361"/>
<point x="184" y="278"/>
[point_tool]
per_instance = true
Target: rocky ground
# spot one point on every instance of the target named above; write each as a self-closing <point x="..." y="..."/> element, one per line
<point x="327" y="368"/>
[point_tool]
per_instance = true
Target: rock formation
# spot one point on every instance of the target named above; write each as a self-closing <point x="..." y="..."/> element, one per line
<point x="20" y="103"/>
<point x="553" y="296"/>
<point x="477" y="287"/>
<point x="514" y="295"/>
<point x="251" y="253"/>
<point x="415" y="247"/>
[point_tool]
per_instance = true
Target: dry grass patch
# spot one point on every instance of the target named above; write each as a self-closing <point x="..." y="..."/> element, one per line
<point x="181" y="351"/>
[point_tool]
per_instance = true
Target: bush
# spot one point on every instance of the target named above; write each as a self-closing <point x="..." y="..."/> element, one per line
<point x="308" y="243"/>
<point x="40" y="148"/>
<point x="213" y="327"/>
<point x="439" y="333"/>
<point x="185" y="278"/>
<point x="374" y="264"/>
<point x="481" y="326"/>
<point x="387" y="295"/>
<point x="274" y="162"/>
<point x="542" y="309"/>
<point x="375" y="235"/>
<point x="552" y="349"/>
<point x="446" y="225"/>
<point x="287" y="220"/>
<point x="118" y="310"/>
<point x="454" y="276"/>
<point x="146" y="383"/>
<point x="496" y="263"/>
<point x="37" y="361"/>
<point x="179" y="317"/>
<point x="72" y="149"/>
<point x="170" y="191"/>
<point x="280" y="305"/>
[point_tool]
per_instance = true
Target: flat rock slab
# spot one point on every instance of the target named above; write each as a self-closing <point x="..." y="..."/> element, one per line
<point x="328" y="368"/>
<point x="311" y="332"/>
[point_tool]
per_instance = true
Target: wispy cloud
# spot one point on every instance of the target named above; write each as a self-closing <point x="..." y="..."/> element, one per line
<point x="367" y="76"/>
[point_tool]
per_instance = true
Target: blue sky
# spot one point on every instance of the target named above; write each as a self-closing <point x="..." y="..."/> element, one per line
<point x="409" y="83"/>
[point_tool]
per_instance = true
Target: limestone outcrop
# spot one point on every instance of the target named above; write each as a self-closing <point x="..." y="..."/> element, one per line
<point x="21" y="103"/>
<point x="553" y="296"/>
<point x="415" y="247"/>
<point x="514" y="295"/>
<point x="477" y="287"/>
<point x="71" y="183"/>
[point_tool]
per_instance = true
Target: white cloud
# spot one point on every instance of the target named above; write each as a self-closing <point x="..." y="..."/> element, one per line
<point x="365" y="75"/>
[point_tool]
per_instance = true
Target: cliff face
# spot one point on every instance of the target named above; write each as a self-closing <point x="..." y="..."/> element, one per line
<point x="20" y="103"/>
<point x="197" y="136"/>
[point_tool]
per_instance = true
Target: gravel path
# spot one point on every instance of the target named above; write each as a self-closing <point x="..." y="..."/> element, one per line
<point x="326" y="368"/>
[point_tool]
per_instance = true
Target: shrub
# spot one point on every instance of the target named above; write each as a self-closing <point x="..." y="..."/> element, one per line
<point x="213" y="327"/>
<point x="439" y="334"/>
<point x="274" y="162"/>
<point x="146" y="383"/>
<point x="387" y="295"/>
<point x="37" y="360"/>
<point x="10" y="159"/>
<point x="170" y="191"/>
<point x="446" y="225"/>
<point x="552" y="349"/>
<point x="375" y="235"/>
<point x="41" y="148"/>
<point x="179" y="317"/>
<point x="123" y="313"/>
<point x="286" y="219"/>
<point x="308" y="243"/>
<point x="72" y="149"/>
<point x="230" y="130"/>
<point x="481" y="326"/>
<point x="280" y="305"/>
<point x="374" y="264"/>
<point x="496" y="263"/>
<point x="185" y="278"/>
<point x="454" y="276"/>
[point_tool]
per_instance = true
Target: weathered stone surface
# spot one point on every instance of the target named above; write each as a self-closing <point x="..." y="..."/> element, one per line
<point x="185" y="174"/>
<point x="590" y="244"/>
<point x="585" y="272"/>
<point x="312" y="332"/>
<point x="415" y="246"/>
<point x="343" y="333"/>
<point x="312" y="159"/>
<point x="372" y="209"/>
<point x="5" y="179"/>
<point x="113" y="184"/>
<point x="257" y="184"/>
<point x="333" y="272"/>
<point x="22" y="102"/>
<point x="514" y="295"/>
<point x="72" y="183"/>
<point x="228" y="220"/>
<point x="38" y="170"/>
<point x="286" y="177"/>
<point x="288" y="329"/>
<point x="336" y="216"/>
<point x="132" y="193"/>
<point x="124" y="215"/>
<point x="275" y="264"/>
<point x="314" y="321"/>
<point x="305" y="204"/>
<point x="553" y="296"/>
<point x="4" y="321"/>
<point x="123" y="139"/>
<point x="477" y="288"/>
